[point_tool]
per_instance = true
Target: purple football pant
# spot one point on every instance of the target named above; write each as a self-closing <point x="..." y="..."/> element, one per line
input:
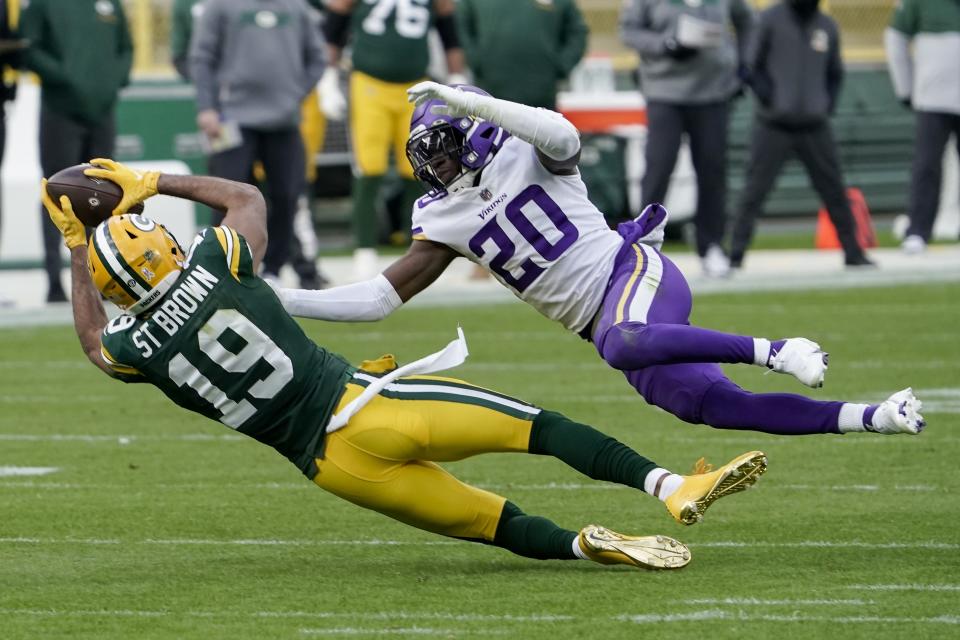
<point x="644" y="330"/>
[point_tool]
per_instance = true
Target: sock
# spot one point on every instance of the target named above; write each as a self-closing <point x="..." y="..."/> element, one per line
<point x="661" y="484"/>
<point x="578" y="550"/>
<point x="761" y="352"/>
<point x="366" y="189"/>
<point x="590" y="452"/>
<point x="853" y="417"/>
<point x="533" y="536"/>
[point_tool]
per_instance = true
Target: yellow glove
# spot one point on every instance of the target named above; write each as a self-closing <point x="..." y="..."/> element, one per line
<point x="74" y="234"/>
<point x="136" y="186"/>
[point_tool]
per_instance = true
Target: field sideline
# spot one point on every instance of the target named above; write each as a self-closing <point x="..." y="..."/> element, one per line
<point x="121" y="516"/>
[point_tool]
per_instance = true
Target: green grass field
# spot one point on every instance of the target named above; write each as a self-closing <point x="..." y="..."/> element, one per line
<point x="160" y="524"/>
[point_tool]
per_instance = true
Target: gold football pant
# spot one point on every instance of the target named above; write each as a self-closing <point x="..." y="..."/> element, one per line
<point x="379" y="120"/>
<point x="384" y="459"/>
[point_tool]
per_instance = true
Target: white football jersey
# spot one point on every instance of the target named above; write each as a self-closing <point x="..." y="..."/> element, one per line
<point x="535" y="231"/>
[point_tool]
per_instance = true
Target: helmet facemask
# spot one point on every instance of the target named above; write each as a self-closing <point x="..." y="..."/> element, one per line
<point x="432" y="150"/>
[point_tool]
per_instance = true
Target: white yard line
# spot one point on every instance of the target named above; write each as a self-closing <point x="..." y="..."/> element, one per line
<point x="741" y="616"/>
<point x="904" y="587"/>
<point x="8" y="472"/>
<point x="268" y="542"/>
<point x="764" y="602"/>
<point x="401" y="631"/>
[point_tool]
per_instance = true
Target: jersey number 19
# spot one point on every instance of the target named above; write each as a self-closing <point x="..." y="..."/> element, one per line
<point x="258" y="347"/>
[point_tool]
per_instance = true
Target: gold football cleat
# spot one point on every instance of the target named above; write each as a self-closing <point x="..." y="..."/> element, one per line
<point x="698" y="491"/>
<point x="647" y="552"/>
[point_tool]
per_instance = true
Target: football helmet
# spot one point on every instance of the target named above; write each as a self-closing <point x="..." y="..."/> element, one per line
<point x="435" y="138"/>
<point x="133" y="261"/>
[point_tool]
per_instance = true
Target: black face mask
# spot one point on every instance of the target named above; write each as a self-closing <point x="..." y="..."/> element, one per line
<point x="804" y="8"/>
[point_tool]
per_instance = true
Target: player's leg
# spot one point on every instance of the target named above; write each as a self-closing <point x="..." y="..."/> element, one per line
<point x="769" y="149"/>
<point x="440" y="419"/>
<point x="665" y="128"/>
<point x="424" y="495"/>
<point x="61" y="146"/>
<point x="411" y="188"/>
<point x="707" y="127"/>
<point x="644" y="319"/>
<point x="283" y="161"/>
<point x="932" y="134"/>
<point x="818" y="153"/>
<point x="701" y="394"/>
<point x="371" y="135"/>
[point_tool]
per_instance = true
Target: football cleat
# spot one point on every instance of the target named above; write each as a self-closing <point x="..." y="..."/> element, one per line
<point x="689" y="502"/>
<point x="646" y="552"/>
<point x="900" y="413"/>
<point x="803" y="359"/>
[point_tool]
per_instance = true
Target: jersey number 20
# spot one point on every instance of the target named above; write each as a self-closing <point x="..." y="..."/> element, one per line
<point x="258" y="347"/>
<point x="529" y="270"/>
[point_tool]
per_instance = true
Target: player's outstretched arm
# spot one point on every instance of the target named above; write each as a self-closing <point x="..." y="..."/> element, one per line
<point x="556" y="139"/>
<point x="89" y="318"/>
<point x="374" y="299"/>
<point x="246" y="212"/>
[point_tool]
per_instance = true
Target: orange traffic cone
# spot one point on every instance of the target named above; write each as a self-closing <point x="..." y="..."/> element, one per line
<point x="826" y="236"/>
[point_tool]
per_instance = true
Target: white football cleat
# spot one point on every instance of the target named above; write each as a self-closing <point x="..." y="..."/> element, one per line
<point x="900" y="413"/>
<point x="803" y="359"/>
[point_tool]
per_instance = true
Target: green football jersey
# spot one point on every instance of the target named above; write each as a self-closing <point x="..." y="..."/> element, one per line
<point x="389" y="38"/>
<point x="220" y="343"/>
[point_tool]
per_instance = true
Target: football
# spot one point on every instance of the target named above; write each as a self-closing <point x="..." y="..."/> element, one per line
<point x="93" y="199"/>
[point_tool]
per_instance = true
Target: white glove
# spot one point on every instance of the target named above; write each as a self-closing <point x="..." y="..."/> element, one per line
<point x="333" y="103"/>
<point x="459" y="103"/>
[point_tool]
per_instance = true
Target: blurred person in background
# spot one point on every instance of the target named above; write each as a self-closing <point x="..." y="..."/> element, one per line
<point x="390" y="52"/>
<point x="689" y="71"/>
<point x="10" y="49"/>
<point x="182" y="17"/>
<point x="795" y="71"/>
<point x="304" y="246"/>
<point x="549" y="36"/>
<point x="82" y="52"/>
<point x="253" y="63"/>
<point x="926" y="79"/>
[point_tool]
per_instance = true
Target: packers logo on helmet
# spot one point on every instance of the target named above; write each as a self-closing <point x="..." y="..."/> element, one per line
<point x="133" y="261"/>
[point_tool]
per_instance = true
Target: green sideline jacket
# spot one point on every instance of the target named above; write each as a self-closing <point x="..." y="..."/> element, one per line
<point x="930" y="77"/>
<point x="82" y="51"/>
<point x="519" y="49"/>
